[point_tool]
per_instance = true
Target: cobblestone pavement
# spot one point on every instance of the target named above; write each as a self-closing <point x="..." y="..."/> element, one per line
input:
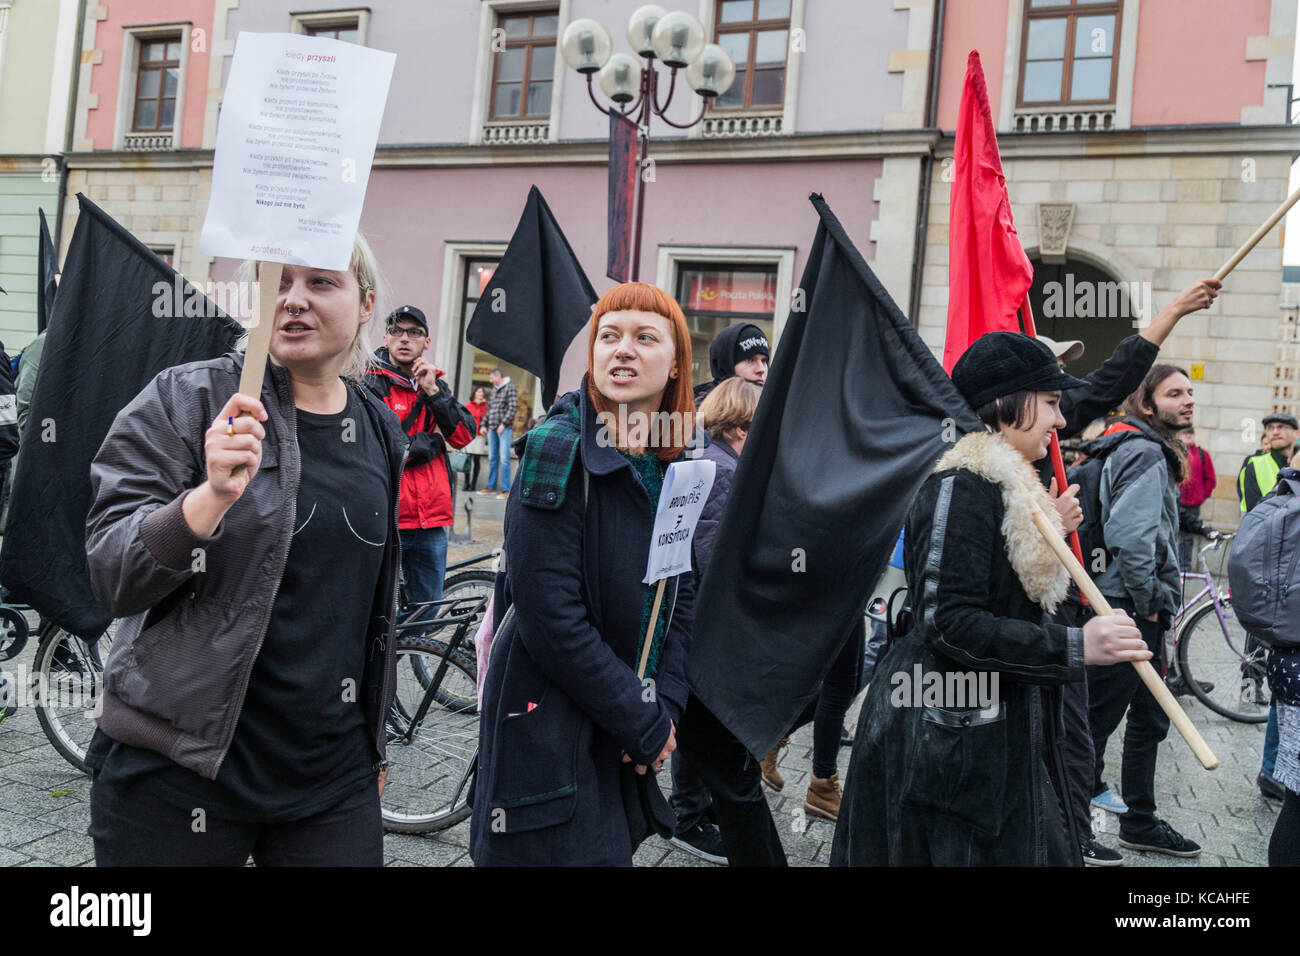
<point x="44" y="810"/>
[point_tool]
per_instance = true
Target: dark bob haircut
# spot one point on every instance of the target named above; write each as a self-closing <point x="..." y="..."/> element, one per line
<point x="1019" y="410"/>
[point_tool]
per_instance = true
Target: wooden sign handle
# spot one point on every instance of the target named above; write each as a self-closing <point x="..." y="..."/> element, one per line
<point x="1148" y="673"/>
<point x="259" y="336"/>
<point x="650" y="629"/>
<point x="1259" y="234"/>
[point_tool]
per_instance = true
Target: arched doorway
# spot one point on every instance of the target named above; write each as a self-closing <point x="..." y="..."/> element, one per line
<point x="1075" y="299"/>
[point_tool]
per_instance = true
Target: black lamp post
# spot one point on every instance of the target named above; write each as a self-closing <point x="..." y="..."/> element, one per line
<point x="676" y="40"/>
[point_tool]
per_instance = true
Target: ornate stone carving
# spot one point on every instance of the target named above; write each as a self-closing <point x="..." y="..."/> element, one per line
<point x="1054" y="220"/>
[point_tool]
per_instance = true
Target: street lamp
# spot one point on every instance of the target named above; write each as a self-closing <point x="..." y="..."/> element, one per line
<point x="674" y="39"/>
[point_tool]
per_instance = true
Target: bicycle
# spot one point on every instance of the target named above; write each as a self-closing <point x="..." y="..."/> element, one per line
<point x="68" y="671"/>
<point x="433" y="722"/>
<point x="1213" y="647"/>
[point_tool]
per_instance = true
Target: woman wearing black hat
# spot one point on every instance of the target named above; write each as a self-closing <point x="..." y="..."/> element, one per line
<point x="958" y="757"/>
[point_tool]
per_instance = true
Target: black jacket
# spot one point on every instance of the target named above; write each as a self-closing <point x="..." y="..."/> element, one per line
<point x="561" y="699"/>
<point x="933" y="783"/>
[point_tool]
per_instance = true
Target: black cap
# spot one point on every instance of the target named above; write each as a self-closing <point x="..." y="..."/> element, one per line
<point x="1282" y="419"/>
<point x="412" y="313"/>
<point x="1002" y="363"/>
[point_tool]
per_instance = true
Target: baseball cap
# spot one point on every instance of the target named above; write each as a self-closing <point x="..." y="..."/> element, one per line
<point x="409" y="312"/>
<point x="1066" y="351"/>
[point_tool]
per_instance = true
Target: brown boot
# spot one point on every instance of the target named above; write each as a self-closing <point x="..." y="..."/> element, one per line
<point x="823" y="798"/>
<point x="771" y="776"/>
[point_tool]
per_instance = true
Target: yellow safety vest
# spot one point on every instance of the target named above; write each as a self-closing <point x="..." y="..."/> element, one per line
<point x="1266" y="472"/>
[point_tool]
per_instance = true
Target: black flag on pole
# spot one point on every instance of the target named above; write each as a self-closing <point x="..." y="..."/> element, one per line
<point x="47" y="267"/>
<point x="122" y="316"/>
<point x="537" y="300"/>
<point x="854" y="415"/>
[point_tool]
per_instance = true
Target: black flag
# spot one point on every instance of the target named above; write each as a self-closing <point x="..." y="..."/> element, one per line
<point x="537" y="300"/>
<point x="854" y="415"/>
<point x="47" y="267"/>
<point x="122" y="316"/>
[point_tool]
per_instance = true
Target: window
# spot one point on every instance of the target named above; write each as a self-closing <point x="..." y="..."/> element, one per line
<point x="350" y="25"/>
<point x="757" y="35"/>
<point x="346" y="30"/>
<point x="522" y="72"/>
<point x="1068" y="52"/>
<point x="157" y="84"/>
<point x="716" y="295"/>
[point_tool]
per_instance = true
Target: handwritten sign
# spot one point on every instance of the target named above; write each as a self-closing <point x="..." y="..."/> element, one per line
<point x="686" y="488"/>
<point x="296" y="140"/>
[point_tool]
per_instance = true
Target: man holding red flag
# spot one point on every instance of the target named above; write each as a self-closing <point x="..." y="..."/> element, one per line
<point x="989" y="279"/>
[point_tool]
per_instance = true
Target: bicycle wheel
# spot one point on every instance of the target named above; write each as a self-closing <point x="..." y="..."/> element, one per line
<point x="429" y="774"/>
<point x="469" y="584"/>
<point x="67" y="678"/>
<point x="13" y="632"/>
<point x="1236" y="669"/>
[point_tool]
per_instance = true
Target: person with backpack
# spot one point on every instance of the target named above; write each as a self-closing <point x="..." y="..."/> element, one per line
<point x="943" y="780"/>
<point x="1108" y="386"/>
<point x="569" y="731"/>
<point x="1132" y="548"/>
<point x="1266" y="599"/>
<point x="419" y="396"/>
<point x="1257" y="478"/>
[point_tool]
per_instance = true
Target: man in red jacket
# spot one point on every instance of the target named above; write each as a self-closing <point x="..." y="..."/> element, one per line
<point x="430" y="414"/>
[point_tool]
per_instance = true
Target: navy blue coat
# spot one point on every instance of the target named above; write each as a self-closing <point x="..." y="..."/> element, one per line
<point x="561" y="701"/>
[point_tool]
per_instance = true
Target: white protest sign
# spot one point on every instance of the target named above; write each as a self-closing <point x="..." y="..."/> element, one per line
<point x="686" y="489"/>
<point x="297" y="136"/>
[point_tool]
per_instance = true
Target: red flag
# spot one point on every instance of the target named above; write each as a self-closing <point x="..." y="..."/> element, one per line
<point x="988" y="271"/>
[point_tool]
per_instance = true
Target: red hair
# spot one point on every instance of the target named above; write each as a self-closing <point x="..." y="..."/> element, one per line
<point x="678" y="394"/>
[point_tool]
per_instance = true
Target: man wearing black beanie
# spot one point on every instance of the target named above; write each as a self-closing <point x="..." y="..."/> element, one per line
<point x="738" y="350"/>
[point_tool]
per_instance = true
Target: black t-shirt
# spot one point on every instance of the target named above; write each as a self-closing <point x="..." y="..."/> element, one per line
<point x="301" y="744"/>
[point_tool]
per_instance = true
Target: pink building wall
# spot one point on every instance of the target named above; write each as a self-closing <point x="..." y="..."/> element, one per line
<point x="106" y="76"/>
<point x="411" y="214"/>
<point x="1184" y="73"/>
<point x="971" y="25"/>
<point x="1188" y="73"/>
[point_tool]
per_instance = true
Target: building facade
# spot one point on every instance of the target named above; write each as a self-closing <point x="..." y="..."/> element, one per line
<point x="37" y="60"/>
<point x="1142" y="146"/>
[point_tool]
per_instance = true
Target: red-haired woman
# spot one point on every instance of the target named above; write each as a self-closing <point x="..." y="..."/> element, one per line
<point x="568" y="730"/>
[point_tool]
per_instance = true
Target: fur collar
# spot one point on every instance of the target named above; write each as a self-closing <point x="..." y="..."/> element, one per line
<point x="1041" y="573"/>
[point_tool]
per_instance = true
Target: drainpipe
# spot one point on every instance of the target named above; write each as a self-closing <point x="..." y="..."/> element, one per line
<point x="927" y="163"/>
<point x="69" y="126"/>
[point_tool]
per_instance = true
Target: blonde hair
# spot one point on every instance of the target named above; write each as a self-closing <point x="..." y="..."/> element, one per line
<point x="731" y="405"/>
<point x="365" y="267"/>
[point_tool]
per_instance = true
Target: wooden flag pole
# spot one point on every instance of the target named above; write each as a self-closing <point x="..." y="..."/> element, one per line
<point x="259" y="335"/>
<point x="1148" y="673"/>
<point x="1259" y="234"/>
<point x="1054" y="450"/>
<point x="650" y="629"/>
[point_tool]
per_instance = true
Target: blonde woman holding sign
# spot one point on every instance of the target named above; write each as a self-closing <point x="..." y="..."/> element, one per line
<point x="252" y="547"/>
<point x="568" y="729"/>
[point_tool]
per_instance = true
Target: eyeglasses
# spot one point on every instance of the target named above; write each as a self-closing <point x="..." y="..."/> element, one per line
<point x="397" y="331"/>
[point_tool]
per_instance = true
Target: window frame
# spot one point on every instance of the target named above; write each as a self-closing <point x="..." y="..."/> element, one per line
<point x="753" y="27"/>
<point x="674" y="258"/>
<point x="528" y="43"/>
<point x="160" y="67"/>
<point x="133" y="40"/>
<point x="304" y="23"/>
<point x="1071" y="13"/>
